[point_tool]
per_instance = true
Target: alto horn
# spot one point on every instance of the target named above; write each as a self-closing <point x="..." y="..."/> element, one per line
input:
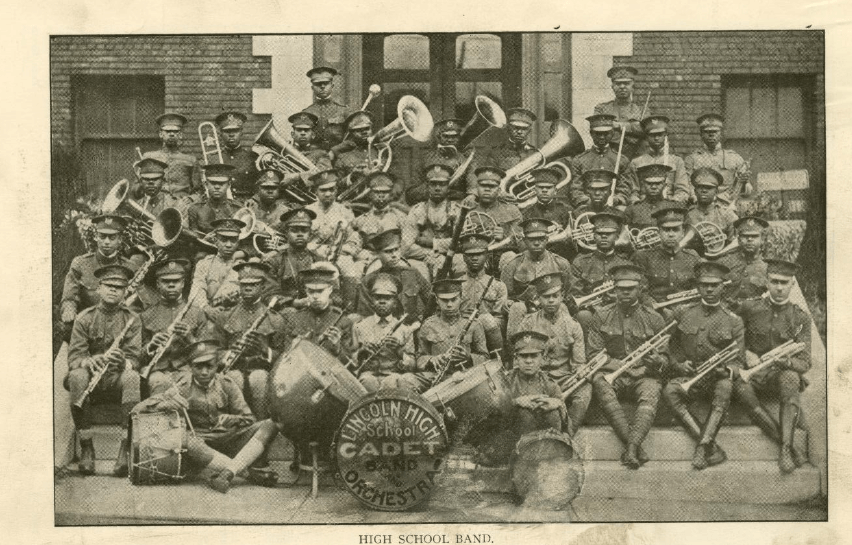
<point x="488" y="114"/>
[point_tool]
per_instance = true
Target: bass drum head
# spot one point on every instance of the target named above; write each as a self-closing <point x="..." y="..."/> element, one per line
<point x="474" y="394"/>
<point x="156" y="448"/>
<point x="389" y="449"/>
<point x="547" y="472"/>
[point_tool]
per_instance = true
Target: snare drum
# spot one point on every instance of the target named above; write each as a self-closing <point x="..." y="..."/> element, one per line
<point x="474" y="394"/>
<point x="156" y="448"/>
<point x="546" y="470"/>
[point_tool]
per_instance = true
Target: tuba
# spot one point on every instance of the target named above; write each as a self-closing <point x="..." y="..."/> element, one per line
<point x="274" y="152"/>
<point x="518" y="182"/>
<point x="412" y="118"/>
<point x="488" y="114"/>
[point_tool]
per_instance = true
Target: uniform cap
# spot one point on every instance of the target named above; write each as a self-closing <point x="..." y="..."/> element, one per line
<point x="150" y="168"/>
<point x="520" y="117"/>
<point x="750" y="225"/>
<point x="601" y="122"/>
<point x="781" y="267"/>
<point x="109" y="223"/>
<point x="529" y="342"/>
<point x="381" y="180"/>
<point x="380" y="241"/>
<point x="710" y="272"/>
<point x="321" y="73"/>
<point x="325" y="178"/>
<point x="317" y="277"/>
<point x="447" y="288"/>
<point x="269" y="177"/>
<point x="710" y="121"/>
<point x="548" y="283"/>
<point x="607" y="222"/>
<point x="385" y="284"/>
<point x="535" y="227"/>
<point x="227" y="226"/>
<point x="171" y="122"/>
<point x="438" y="172"/>
<point x="474" y="243"/>
<point x="305" y="120"/>
<point x="218" y="172"/>
<point x="706" y="176"/>
<point x="655" y="123"/>
<point x="598" y="177"/>
<point x="626" y="276"/>
<point x="230" y="120"/>
<point x="653" y="172"/>
<point x="359" y="120"/>
<point x="546" y="176"/>
<point x="171" y="269"/>
<point x="202" y="351"/>
<point x="670" y="216"/>
<point x="252" y="271"/>
<point x="114" y="275"/>
<point x="621" y="72"/>
<point x="298" y="217"/>
<point x="489" y="175"/>
<point x="446" y="126"/>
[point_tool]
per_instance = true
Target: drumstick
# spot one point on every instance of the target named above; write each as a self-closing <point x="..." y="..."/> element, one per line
<point x="188" y="422"/>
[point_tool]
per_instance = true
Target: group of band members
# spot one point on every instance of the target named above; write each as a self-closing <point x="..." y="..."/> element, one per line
<point x="382" y="308"/>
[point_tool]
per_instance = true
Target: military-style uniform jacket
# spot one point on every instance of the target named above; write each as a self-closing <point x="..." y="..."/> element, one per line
<point x="157" y="319"/>
<point x="222" y="396"/>
<point x="620" y="332"/>
<point x="726" y="161"/>
<point x="667" y="273"/>
<point x="522" y="270"/>
<point x="630" y="113"/>
<point x="318" y="156"/>
<point x="326" y="223"/>
<point x="508" y="217"/>
<point x="748" y="275"/>
<point x="199" y="215"/>
<point x="313" y="323"/>
<point x="677" y="186"/>
<point x="590" y="270"/>
<point x="286" y="265"/>
<point x="353" y="159"/>
<point x="768" y="325"/>
<point x="230" y="325"/>
<point x="703" y="331"/>
<point x="415" y="297"/>
<point x="373" y="221"/>
<point x="183" y="175"/>
<point x="212" y="274"/>
<point x="566" y="349"/>
<point x="639" y="215"/>
<point x="374" y="329"/>
<point x="331" y="115"/>
<point x="437" y="336"/>
<point x="159" y="202"/>
<point x="96" y="328"/>
<point x="555" y="210"/>
<point x="433" y="222"/>
<point x="245" y="175"/>
<point x="269" y="215"/>
<point x="715" y="213"/>
<point x="594" y="158"/>
<point x="80" y="290"/>
<point x="473" y="289"/>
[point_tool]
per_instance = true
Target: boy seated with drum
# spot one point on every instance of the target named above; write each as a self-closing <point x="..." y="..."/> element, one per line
<point x="220" y="421"/>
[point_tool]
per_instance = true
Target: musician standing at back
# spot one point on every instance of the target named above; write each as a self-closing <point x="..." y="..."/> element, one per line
<point x="597" y="185"/>
<point x="706" y="182"/>
<point x="600" y="157"/>
<point x="624" y="110"/>
<point x="183" y="175"/>
<point x="547" y="207"/>
<point x="495" y="301"/>
<point x="535" y="261"/>
<point x="214" y="278"/>
<point x="702" y="331"/>
<point x="434" y="220"/>
<point x="330" y="113"/>
<point x="656" y="128"/>
<point x="216" y="205"/>
<point x="286" y="263"/>
<point x="267" y="205"/>
<point x="769" y="322"/>
<point x="242" y="158"/>
<point x="620" y="329"/>
<point x="90" y="350"/>
<point x="652" y="179"/>
<point x="566" y="349"/>
<point x="728" y="163"/>
<point x="510" y="151"/>
<point x="748" y="269"/>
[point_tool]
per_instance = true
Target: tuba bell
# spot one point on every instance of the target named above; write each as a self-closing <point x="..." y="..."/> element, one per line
<point x="274" y="152"/>
<point x="412" y="118"/>
<point x="488" y="114"/>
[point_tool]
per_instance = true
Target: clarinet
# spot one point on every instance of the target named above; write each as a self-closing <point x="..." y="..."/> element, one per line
<point x="233" y="355"/>
<point x="133" y="286"/>
<point x="102" y="371"/>
<point x="162" y="348"/>
<point x="357" y="367"/>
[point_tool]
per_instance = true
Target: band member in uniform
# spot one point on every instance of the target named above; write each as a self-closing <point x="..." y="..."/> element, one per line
<point x="537" y="398"/>
<point x="354" y="155"/>
<point x="549" y="208"/>
<point x="433" y="219"/>
<point x="620" y="329"/>
<point x="90" y="349"/>
<point x="769" y="322"/>
<point x="510" y="151"/>
<point x="535" y="261"/>
<point x="183" y="175"/>
<point x="222" y="423"/>
<point x="656" y="129"/>
<point x="267" y="205"/>
<point x="446" y="140"/>
<point x="474" y="281"/>
<point x="316" y="320"/>
<point x="748" y="269"/>
<point x="330" y="113"/>
<point x="234" y="153"/>
<point x="566" y="349"/>
<point x="506" y="215"/>
<point x="214" y="274"/>
<point x="390" y="352"/>
<point x="383" y="217"/>
<point x="152" y="174"/>
<point x="600" y="157"/>
<point x="668" y="268"/>
<point x="706" y="181"/>
<point x="726" y="162"/>
<point x="652" y="178"/>
<point x="624" y="110"/>
<point x="440" y="344"/>
<point x="216" y="205"/>
<point x="286" y="263"/>
<point x="261" y="346"/>
<point x="304" y="126"/>
<point x="703" y="330"/>
<point x="416" y="295"/>
<point x="159" y="327"/>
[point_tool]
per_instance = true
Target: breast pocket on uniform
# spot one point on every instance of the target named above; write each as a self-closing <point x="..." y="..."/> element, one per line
<point x="720" y="337"/>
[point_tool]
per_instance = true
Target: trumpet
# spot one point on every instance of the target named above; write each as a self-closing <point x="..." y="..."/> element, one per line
<point x="274" y="152"/>
<point x="596" y="297"/>
<point x="772" y="357"/>
<point x="723" y="356"/>
<point x="655" y="342"/>
<point x="570" y="384"/>
<point x="682" y="297"/>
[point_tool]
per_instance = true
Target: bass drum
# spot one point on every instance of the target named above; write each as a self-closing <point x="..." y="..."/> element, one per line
<point x="474" y="394"/>
<point x="547" y="472"/>
<point x="390" y="448"/>
<point x="156" y="448"/>
<point x="310" y="391"/>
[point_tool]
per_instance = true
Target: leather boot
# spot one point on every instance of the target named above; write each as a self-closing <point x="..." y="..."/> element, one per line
<point x="221" y="482"/>
<point x="120" y="467"/>
<point x="630" y="457"/>
<point x="712" y="453"/>
<point x="689" y="422"/>
<point x="789" y="414"/>
<point x="641" y="455"/>
<point x="87" y="457"/>
<point x="766" y="423"/>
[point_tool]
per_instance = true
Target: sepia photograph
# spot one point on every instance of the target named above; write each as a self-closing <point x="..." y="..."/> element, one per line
<point x="439" y="277"/>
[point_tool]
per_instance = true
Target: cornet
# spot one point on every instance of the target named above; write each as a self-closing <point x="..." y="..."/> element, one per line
<point x="723" y="356"/>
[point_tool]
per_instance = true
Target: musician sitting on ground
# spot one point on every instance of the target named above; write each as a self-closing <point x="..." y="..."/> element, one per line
<point x="620" y="329"/>
<point x="391" y="354"/>
<point x="769" y="322"/>
<point x="287" y="262"/>
<point x="214" y="282"/>
<point x="703" y="330"/>
<point x="223" y="436"/>
<point x="448" y="342"/>
<point x="652" y="179"/>
<point x="566" y="350"/>
<point x="91" y="349"/>
<point x="495" y="302"/>
<point x="216" y="205"/>
<point x="433" y="219"/>
<point x="706" y="182"/>
<point x="748" y="269"/>
<point x="159" y="327"/>
<point x="267" y="204"/>
<point x="534" y="261"/>
<point x="259" y="347"/>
